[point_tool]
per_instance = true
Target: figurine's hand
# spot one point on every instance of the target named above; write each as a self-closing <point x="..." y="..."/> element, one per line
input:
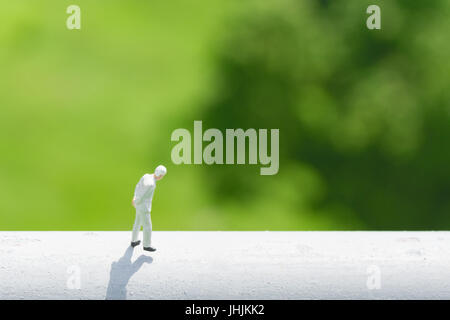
<point x="132" y="203"/>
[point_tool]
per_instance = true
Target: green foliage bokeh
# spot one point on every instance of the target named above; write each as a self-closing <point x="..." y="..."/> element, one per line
<point x="363" y="114"/>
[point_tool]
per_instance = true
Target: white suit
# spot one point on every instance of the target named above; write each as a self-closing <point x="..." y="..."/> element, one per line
<point x="143" y="195"/>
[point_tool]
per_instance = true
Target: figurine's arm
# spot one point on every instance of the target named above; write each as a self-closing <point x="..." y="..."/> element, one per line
<point x="139" y="195"/>
<point x="138" y="198"/>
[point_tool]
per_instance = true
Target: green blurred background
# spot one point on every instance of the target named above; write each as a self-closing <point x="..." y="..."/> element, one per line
<point x="363" y="114"/>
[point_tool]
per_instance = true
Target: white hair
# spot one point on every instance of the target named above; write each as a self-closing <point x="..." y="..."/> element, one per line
<point x="160" y="171"/>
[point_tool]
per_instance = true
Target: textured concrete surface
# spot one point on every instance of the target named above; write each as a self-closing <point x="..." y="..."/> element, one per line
<point x="226" y="265"/>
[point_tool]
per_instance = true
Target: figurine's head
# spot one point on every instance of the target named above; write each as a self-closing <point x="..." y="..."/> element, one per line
<point x="160" y="172"/>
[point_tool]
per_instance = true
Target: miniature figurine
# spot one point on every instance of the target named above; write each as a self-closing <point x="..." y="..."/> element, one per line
<point x="142" y="201"/>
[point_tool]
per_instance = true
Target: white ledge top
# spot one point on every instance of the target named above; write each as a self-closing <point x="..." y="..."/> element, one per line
<point x="226" y="265"/>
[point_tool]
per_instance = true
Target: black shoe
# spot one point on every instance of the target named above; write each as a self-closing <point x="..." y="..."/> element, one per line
<point x="151" y="249"/>
<point x="136" y="243"/>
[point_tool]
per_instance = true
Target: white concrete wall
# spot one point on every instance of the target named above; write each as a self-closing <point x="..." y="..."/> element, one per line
<point x="226" y="265"/>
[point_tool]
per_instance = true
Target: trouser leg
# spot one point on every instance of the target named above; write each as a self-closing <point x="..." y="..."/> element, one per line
<point x="147" y="226"/>
<point x="136" y="227"/>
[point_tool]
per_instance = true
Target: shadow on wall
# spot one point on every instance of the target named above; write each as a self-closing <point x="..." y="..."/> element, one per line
<point x="121" y="273"/>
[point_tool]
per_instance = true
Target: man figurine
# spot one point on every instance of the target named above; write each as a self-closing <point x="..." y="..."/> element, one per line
<point x="142" y="201"/>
